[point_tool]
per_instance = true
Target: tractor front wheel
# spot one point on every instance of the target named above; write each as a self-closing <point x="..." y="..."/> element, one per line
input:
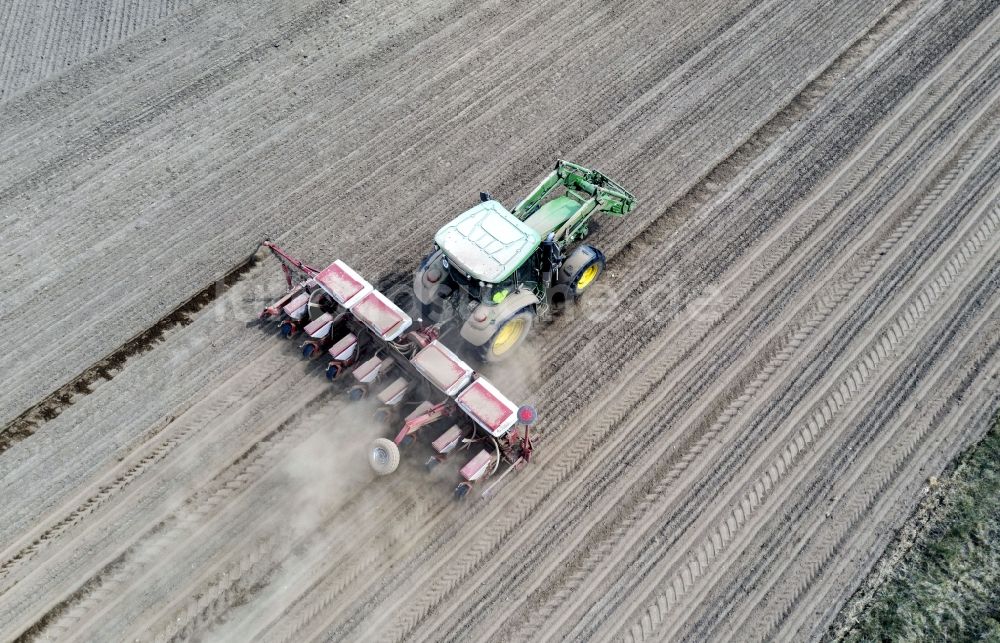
<point x="383" y="455"/>
<point x="588" y="273"/>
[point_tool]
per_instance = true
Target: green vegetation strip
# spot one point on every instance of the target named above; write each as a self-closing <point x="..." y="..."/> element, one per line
<point x="943" y="574"/>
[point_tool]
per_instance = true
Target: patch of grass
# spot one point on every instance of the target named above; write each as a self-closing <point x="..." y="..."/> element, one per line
<point x="947" y="586"/>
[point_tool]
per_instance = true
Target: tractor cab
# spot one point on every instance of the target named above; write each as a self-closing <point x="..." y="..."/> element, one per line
<point x="483" y="249"/>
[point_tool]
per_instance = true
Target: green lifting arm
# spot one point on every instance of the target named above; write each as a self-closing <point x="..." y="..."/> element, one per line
<point x="595" y="191"/>
<point x="611" y="197"/>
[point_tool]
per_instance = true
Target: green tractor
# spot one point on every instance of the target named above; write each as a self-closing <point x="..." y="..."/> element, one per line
<point x="493" y="272"/>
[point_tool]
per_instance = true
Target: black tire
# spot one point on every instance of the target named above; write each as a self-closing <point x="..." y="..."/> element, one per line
<point x="383" y="456"/>
<point x="501" y="345"/>
<point x="587" y="274"/>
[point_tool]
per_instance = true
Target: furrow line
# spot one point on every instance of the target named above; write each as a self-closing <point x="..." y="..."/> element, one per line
<point x="329" y="577"/>
<point x="806" y="431"/>
<point x="801" y="323"/>
<point x="913" y="447"/>
<point x="50" y="406"/>
<point x="321" y="179"/>
<point x="648" y="180"/>
<point x="236" y="392"/>
<point x="931" y="96"/>
<point x="752" y="381"/>
<point x="182" y="620"/>
<point x="713" y="243"/>
<point x="767" y="562"/>
<point x="747" y="160"/>
<point x="257" y="459"/>
<point x="911" y="312"/>
<point x="718" y="465"/>
<point x="829" y="605"/>
<point x="813" y="211"/>
<point x="675" y="404"/>
<point x="623" y="395"/>
<point x="84" y="562"/>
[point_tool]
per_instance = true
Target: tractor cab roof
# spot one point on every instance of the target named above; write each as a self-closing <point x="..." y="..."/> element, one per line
<point x="487" y="242"/>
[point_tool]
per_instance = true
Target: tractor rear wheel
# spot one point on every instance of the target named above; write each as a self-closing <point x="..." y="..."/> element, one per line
<point x="508" y="336"/>
<point x="383" y="455"/>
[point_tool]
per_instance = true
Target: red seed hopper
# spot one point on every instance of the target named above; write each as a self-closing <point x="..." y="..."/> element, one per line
<point x="422" y="387"/>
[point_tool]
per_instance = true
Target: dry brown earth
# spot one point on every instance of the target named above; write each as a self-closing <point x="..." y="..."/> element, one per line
<point x="799" y="325"/>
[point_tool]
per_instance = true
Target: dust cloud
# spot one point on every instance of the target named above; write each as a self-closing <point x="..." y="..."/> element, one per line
<point x="325" y="505"/>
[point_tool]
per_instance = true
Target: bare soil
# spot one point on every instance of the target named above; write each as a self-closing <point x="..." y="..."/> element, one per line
<point x="940" y="578"/>
<point x="798" y="326"/>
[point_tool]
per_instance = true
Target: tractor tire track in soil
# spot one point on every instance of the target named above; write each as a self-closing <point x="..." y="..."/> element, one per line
<point x="576" y="438"/>
<point x="782" y="352"/>
<point x="802" y="330"/>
